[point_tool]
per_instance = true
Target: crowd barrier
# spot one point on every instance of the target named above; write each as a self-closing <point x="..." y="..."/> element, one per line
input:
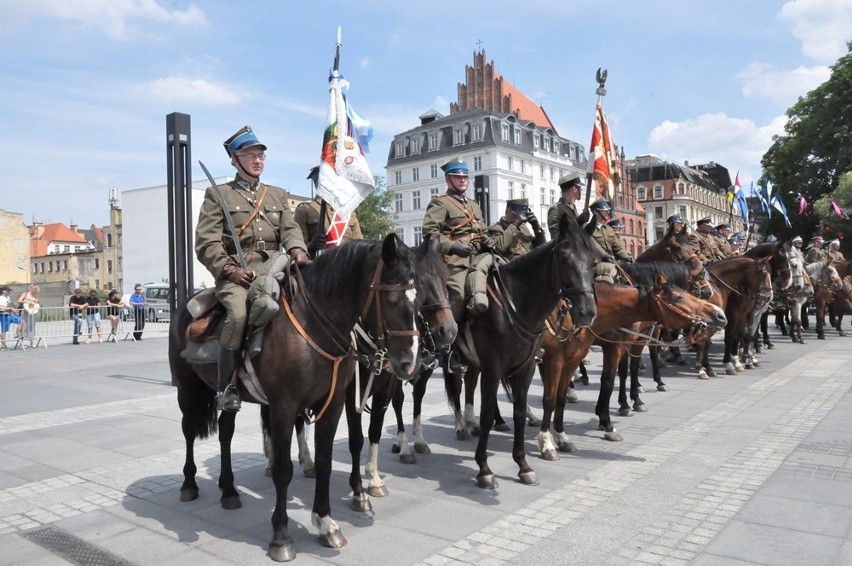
<point x="55" y="325"/>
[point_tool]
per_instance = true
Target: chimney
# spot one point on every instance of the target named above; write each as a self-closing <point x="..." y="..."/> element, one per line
<point x="686" y="163"/>
<point x="73" y="228"/>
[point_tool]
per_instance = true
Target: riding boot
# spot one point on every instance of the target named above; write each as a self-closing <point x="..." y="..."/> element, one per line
<point x="228" y="398"/>
<point x="452" y="363"/>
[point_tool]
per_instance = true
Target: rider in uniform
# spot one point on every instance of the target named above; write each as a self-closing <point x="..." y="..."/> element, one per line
<point x="264" y="224"/>
<point x="703" y="240"/>
<point x="518" y="231"/>
<point x="721" y="241"/>
<point x="607" y="239"/>
<point x="814" y="251"/>
<point x="571" y="185"/>
<point x="797" y="242"/>
<point x="307" y="216"/>
<point x="834" y="254"/>
<point x="456" y="221"/>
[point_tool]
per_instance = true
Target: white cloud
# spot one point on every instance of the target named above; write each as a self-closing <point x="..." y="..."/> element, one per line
<point x="364" y="62"/>
<point x="115" y="18"/>
<point x="735" y="143"/>
<point x="783" y="87"/>
<point x="823" y="26"/>
<point x="441" y="104"/>
<point x="194" y="91"/>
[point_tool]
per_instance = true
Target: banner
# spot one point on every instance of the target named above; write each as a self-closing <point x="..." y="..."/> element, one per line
<point x="603" y="161"/>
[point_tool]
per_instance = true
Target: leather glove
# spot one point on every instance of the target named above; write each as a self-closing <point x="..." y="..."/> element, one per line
<point x="460" y="249"/>
<point x="521" y="218"/>
<point x="607" y="258"/>
<point x="317" y="243"/>
<point x="237" y="275"/>
<point x="486" y="242"/>
<point x="533" y="220"/>
<point x="299" y="257"/>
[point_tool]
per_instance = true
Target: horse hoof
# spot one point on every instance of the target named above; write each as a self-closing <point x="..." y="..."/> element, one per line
<point x="801" y="340"/>
<point x="749" y="365"/>
<point x="283" y="553"/>
<point x="770" y="346"/>
<point x="842" y="333"/>
<point x="624" y="412"/>
<point x="662" y="387"/>
<point x="681" y="362"/>
<point x="395" y="449"/>
<point x="309" y="472"/>
<point x="661" y="364"/>
<point x="408" y="458"/>
<point x="550" y="455"/>
<point x="377" y="491"/>
<point x="711" y="372"/>
<point x="702" y="374"/>
<point x="189" y="494"/>
<point x="462" y="435"/>
<point x="231" y="502"/>
<point x="486" y="481"/>
<point x="584" y="380"/>
<point x="474" y="430"/>
<point x="640" y="408"/>
<point x="614" y="436"/>
<point x="361" y="504"/>
<point x="820" y="336"/>
<point x="641" y="389"/>
<point x="528" y="478"/>
<point x="422" y="448"/>
<point x="502" y="427"/>
<point x="571" y="397"/>
<point x="533" y="421"/>
<point x="730" y="371"/>
<point x="565" y="446"/>
<point x="333" y="540"/>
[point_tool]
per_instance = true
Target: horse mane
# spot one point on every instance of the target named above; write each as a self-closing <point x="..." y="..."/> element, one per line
<point x="762" y="250"/>
<point x="428" y="264"/>
<point x="645" y="274"/>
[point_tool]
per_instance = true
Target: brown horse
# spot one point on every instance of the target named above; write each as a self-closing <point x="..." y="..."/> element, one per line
<point x="303" y="365"/>
<point x="618" y="306"/>
<point x="828" y="288"/>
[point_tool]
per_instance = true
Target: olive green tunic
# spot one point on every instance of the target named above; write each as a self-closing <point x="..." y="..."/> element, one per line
<point x="609" y="241"/>
<point x="511" y="241"/>
<point x="814" y="255"/>
<point x="307" y="217"/>
<point x="262" y="237"/>
<point x="723" y="247"/>
<point x="555" y="214"/>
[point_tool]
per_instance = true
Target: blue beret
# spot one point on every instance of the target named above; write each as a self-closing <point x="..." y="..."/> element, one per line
<point x="455" y="167"/>
<point x="243" y="139"/>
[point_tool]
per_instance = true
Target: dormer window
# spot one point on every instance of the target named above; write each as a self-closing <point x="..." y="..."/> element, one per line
<point x="415" y="145"/>
<point x="458" y="136"/>
<point x="400" y="148"/>
<point x="434" y="141"/>
<point x="478" y="132"/>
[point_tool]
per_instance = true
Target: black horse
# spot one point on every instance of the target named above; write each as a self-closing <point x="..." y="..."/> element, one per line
<point x="507" y="337"/>
<point x="303" y="365"/>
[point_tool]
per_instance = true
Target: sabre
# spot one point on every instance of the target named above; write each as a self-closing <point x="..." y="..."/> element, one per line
<point x="229" y="222"/>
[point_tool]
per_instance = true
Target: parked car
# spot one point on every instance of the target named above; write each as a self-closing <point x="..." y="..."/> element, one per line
<point x="157" y="296"/>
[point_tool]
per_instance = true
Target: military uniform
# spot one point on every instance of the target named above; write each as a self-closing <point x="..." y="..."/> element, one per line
<point x="261" y="235"/>
<point x="307" y="216"/>
<point x="610" y="242"/>
<point x="722" y="246"/>
<point x="814" y="254"/>
<point x="454" y="218"/>
<point x="834" y="256"/>
<point x="511" y="241"/>
<point x="555" y="214"/>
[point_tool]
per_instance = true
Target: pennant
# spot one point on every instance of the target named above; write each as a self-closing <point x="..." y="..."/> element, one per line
<point x="733" y="192"/>
<point x="603" y="162"/>
<point x="803" y="204"/>
<point x="344" y="176"/>
<point x="778" y="204"/>
<point x="765" y="205"/>
<point x="839" y="211"/>
<point x="741" y="202"/>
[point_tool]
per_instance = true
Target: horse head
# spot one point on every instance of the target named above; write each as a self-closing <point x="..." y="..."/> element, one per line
<point x="574" y="261"/>
<point x="436" y="316"/>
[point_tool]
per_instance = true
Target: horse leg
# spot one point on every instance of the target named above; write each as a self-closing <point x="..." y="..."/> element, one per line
<point x="520" y="388"/>
<point x="420" y="444"/>
<point x="400" y="445"/>
<point x="635" y="388"/>
<point x="488" y="397"/>
<point x="623" y="405"/>
<point x="551" y="370"/>
<point x="230" y="496"/>
<point x="563" y="442"/>
<point x="584" y="374"/>
<point x="471" y="378"/>
<point x="764" y="329"/>
<point x="820" y="320"/>
<point x="198" y="418"/>
<point x="305" y="460"/>
<point x="452" y="387"/>
<point x="726" y="356"/>
<point x="329" y="531"/>
<point x="499" y="423"/>
<point x="803" y="316"/>
<point x="281" y="548"/>
<point x="376" y="487"/>
<point x="359" y="500"/>
<point x="656" y="364"/>
<point x="611" y="357"/>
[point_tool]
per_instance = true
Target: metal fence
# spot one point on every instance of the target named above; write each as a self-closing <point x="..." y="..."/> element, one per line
<point x="56" y="325"/>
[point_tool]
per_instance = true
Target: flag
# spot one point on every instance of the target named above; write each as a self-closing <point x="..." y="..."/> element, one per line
<point x="803" y="204"/>
<point x="733" y="192"/>
<point x="839" y="211"/>
<point x="344" y="176"/>
<point x="741" y="202"/>
<point x="763" y="194"/>
<point x="778" y="204"/>
<point x="603" y="162"/>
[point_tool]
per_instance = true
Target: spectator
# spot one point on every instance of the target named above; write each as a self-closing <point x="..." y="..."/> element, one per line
<point x="138" y="302"/>
<point x="93" y="316"/>
<point x="77" y="308"/>
<point x="114" y="310"/>
<point x="7" y="316"/>
<point x="28" y="302"/>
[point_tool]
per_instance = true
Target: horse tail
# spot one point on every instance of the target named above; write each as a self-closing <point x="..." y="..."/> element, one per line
<point x="507" y="387"/>
<point x="197" y="401"/>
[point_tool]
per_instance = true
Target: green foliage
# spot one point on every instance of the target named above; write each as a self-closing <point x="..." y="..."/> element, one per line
<point x="814" y="152"/>
<point x="374" y="213"/>
<point x="843" y="197"/>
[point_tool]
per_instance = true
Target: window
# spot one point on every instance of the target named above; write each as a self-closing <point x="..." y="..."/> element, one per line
<point x="400" y="232"/>
<point x="415" y="174"/>
<point x="50" y="267"/>
<point x="523" y="166"/>
<point x="434" y="191"/>
<point x="511" y="189"/>
<point x="505" y="132"/>
<point x="415" y="200"/>
<point x="397" y="177"/>
<point x="35" y="268"/>
<point x="415" y="145"/>
<point x="477" y="163"/>
<point x="478" y="132"/>
<point x="510" y="163"/>
<point x="400" y="148"/>
<point x="66" y="249"/>
<point x="64" y="265"/>
<point x="433" y="171"/>
<point x="434" y="141"/>
<point x="555" y="145"/>
<point x="523" y="190"/>
<point x="109" y="266"/>
<point x="658" y="192"/>
<point x="458" y="136"/>
<point x="418" y="235"/>
<point x="681" y="188"/>
<point x="109" y="240"/>
<point x="541" y="170"/>
<point x="552" y="196"/>
<point x="658" y="212"/>
<point x="397" y="202"/>
<point x="541" y="193"/>
<point x="535" y="141"/>
<point x="553" y="173"/>
<point x="56" y="249"/>
<point x="640" y="193"/>
<point x="682" y="211"/>
<point x="517" y="135"/>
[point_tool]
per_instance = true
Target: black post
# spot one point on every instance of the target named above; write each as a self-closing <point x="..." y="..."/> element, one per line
<point x="179" y="172"/>
<point x="483" y="198"/>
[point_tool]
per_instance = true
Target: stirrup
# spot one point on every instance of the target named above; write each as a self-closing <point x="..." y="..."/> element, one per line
<point x="229" y="399"/>
<point x="454" y="364"/>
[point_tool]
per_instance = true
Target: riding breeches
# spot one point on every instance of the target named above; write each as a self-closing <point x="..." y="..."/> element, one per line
<point x="233" y="297"/>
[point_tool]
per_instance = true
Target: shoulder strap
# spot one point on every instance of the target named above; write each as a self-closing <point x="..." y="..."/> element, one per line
<point x="470" y="218"/>
<point x="254" y="212"/>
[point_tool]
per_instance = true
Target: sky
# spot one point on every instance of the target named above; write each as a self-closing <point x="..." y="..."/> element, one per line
<point x="85" y="85"/>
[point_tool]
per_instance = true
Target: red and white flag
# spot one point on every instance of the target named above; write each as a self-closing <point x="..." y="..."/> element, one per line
<point x="603" y="159"/>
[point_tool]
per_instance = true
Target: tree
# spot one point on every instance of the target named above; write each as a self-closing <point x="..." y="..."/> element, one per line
<point x="816" y="149"/>
<point x="374" y="212"/>
<point x="832" y="223"/>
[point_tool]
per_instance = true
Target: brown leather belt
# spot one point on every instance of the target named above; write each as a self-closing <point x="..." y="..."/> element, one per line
<point x="259" y="246"/>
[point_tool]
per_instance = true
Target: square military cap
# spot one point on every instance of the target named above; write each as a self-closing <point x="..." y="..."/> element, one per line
<point x="723" y="227"/>
<point x="243" y="138"/>
<point x="518" y="205"/>
<point x="569" y="181"/>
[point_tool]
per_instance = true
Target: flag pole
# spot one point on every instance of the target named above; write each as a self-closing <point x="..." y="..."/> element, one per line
<point x="600" y="77"/>
<point x="334" y="75"/>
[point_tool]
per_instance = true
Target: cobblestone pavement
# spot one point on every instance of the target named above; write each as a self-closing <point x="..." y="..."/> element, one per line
<point x="746" y="469"/>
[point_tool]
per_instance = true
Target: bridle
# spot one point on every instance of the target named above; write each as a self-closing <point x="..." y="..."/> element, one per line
<point x="698" y="280"/>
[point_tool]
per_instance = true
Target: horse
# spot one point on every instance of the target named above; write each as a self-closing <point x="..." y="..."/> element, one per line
<point x="828" y="286"/>
<point x="507" y="336"/>
<point x="782" y="278"/>
<point x="305" y="352"/>
<point x="617" y="306"/>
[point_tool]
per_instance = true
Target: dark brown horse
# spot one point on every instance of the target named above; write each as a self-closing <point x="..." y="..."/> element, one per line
<point x="303" y="365"/>
<point x="507" y="336"/>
